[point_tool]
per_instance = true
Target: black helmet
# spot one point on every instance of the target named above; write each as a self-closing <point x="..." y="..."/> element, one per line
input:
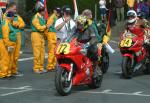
<point x="67" y="9"/>
<point x="58" y="9"/>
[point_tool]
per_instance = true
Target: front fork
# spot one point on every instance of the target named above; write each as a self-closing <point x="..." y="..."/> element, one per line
<point x="71" y="72"/>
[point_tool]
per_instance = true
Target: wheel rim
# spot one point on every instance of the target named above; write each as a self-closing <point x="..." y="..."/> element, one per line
<point x="66" y="85"/>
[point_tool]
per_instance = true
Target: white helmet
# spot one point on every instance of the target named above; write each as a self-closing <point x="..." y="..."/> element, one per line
<point x="132" y="16"/>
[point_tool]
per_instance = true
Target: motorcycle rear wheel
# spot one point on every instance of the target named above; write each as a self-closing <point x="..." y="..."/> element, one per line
<point x="126" y="68"/>
<point x="97" y="78"/>
<point x="63" y="86"/>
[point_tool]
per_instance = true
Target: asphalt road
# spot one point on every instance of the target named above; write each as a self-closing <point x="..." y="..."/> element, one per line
<point x="39" y="88"/>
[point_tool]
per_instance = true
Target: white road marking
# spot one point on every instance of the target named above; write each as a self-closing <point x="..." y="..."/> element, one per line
<point x="118" y="93"/>
<point x="25" y="59"/>
<point x="18" y="88"/>
<point x="119" y="72"/>
<point x="30" y="58"/>
<point x="16" y="92"/>
<point x="106" y="91"/>
<point x="137" y="93"/>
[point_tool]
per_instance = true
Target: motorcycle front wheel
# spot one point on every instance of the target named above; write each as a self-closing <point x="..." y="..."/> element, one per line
<point x="126" y="67"/>
<point x="105" y="63"/>
<point x="63" y="86"/>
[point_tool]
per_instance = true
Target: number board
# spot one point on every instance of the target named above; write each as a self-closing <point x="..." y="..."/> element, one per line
<point x="63" y="48"/>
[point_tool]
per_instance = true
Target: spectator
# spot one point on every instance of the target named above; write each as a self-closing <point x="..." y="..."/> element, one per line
<point x="139" y="5"/>
<point x="130" y="4"/>
<point x="145" y="9"/>
<point x="119" y="5"/>
<point x="65" y="25"/>
<point x="103" y="9"/>
<point x="112" y="12"/>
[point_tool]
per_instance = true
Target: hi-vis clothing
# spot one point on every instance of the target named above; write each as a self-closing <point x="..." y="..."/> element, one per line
<point x="131" y="3"/>
<point x="38" y="26"/>
<point x="4" y="58"/>
<point x="18" y="25"/>
<point x="9" y="36"/>
<point x="52" y="39"/>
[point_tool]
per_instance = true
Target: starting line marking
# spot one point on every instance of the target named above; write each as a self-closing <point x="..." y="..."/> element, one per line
<point x="106" y="91"/>
<point x="109" y="92"/>
<point x="20" y="90"/>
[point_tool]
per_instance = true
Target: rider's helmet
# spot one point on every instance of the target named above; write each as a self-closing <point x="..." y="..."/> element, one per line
<point x="132" y="16"/>
<point x="82" y="23"/>
<point x="87" y="13"/>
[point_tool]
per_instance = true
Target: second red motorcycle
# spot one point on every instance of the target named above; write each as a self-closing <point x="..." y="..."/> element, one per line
<point x="135" y="54"/>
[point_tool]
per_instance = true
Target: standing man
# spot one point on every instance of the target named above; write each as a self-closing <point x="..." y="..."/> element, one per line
<point x="18" y="24"/>
<point x="65" y="25"/>
<point x="119" y="5"/>
<point x="38" y="26"/>
<point x="9" y="35"/>
<point x="52" y="39"/>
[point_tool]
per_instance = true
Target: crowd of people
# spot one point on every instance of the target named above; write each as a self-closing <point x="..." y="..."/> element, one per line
<point x="119" y="8"/>
<point x="56" y="29"/>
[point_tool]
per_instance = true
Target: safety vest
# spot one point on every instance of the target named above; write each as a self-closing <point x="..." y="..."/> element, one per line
<point x="41" y="21"/>
<point x="15" y="20"/>
<point x="52" y="27"/>
<point x="12" y="34"/>
<point x="1" y="31"/>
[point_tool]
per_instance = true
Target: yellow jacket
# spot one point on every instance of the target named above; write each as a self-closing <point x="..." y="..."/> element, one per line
<point x="51" y="22"/>
<point x="38" y="23"/>
<point x="130" y="3"/>
<point x="6" y="31"/>
<point x="18" y="21"/>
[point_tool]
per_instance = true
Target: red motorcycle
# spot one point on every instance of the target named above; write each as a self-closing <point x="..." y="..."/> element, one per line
<point x="134" y="52"/>
<point x="75" y="68"/>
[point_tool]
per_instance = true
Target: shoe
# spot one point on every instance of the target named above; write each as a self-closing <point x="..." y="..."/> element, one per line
<point x="44" y="71"/>
<point x="38" y="72"/>
<point x="51" y="69"/>
<point x="18" y="74"/>
<point x="21" y="52"/>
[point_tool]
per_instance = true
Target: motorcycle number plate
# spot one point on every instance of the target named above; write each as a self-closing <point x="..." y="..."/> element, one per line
<point x="126" y="42"/>
<point x="63" y="48"/>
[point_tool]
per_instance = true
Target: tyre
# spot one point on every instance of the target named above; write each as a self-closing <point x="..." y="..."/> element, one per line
<point x="105" y="63"/>
<point x="63" y="86"/>
<point x="147" y="70"/>
<point x="127" y="68"/>
<point x="97" y="78"/>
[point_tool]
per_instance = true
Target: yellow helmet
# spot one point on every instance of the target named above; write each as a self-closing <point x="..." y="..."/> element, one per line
<point x="82" y="22"/>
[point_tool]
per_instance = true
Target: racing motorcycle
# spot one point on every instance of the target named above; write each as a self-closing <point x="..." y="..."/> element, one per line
<point x="135" y="54"/>
<point x="75" y="68"/>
